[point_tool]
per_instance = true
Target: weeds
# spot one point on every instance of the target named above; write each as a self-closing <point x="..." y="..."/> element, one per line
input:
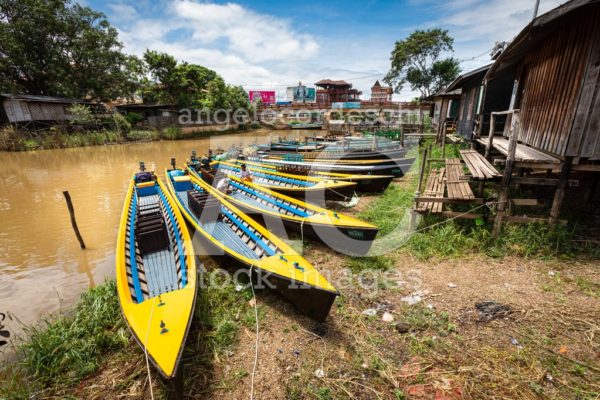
<point x="143" y="135"/>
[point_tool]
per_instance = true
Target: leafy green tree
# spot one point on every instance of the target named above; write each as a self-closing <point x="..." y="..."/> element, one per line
<point x="57" y="47"/>
<point x="416" y="60"/>
<point x="226" y="97"/>
<point x="181" y="84"/>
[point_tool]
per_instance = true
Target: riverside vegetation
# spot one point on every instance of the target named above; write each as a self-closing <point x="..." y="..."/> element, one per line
<point x="542" y="348"/>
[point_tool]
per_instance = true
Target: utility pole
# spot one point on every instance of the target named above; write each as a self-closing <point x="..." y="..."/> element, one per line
<point x="536" y="8"/>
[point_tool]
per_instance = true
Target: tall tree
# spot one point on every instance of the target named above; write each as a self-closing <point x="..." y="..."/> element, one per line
<point x="175" y="83"/>
<point x="416" y="60"/>
<point x="57" y="47"/>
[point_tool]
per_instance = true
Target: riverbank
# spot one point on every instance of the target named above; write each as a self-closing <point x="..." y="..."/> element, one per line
<point x="536" y="340"/>
<point x="13" y="140"/>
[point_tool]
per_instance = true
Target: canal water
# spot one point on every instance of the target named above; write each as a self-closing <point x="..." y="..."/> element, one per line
<point x="42" y="268"/>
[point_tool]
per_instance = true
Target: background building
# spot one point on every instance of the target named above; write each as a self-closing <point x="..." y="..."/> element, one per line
<point x="336" y="91"/>
<point x="381" y="94"/>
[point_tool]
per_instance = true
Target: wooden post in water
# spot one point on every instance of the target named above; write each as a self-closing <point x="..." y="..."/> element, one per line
<point x="73" y="221"/>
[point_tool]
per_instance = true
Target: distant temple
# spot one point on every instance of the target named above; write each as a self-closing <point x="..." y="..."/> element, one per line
<point x="381" y="94"/>
<point x="330" y="91"/>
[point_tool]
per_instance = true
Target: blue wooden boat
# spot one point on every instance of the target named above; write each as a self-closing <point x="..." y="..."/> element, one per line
<point x="315" y="190"/>
<point x="280" y="213"/>
<point x="227" y="231"/>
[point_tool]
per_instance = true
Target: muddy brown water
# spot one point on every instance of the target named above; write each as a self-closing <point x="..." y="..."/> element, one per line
<point x="42" y="268"/>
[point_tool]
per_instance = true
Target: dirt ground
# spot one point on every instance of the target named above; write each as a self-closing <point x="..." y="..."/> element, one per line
<point x="539" y="339"/>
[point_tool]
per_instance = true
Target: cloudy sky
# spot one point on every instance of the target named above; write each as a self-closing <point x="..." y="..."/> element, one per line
<point x="267" y="45"/>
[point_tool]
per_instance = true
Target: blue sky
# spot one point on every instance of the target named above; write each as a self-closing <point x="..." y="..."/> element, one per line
<point x="270" y="45"/>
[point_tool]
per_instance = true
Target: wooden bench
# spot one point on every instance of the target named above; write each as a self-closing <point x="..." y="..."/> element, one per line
<point x="523" y="153"/>
<point x="435" y="188"/>
<point x="458" y="187"/>
<point x="479" y="167"/>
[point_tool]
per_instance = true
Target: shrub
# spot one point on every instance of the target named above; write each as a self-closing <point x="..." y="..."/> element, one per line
<point x="172" y="133"/>
<point x="121" y="123"/>
<point x="10" y="139"/>
<point x="133" y="118"/>
<point x="80" y="114"/>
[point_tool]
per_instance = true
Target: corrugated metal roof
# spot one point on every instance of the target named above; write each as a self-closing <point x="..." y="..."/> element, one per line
<point x="478" y="73"/>
<point x="533" y="34"/>
<point x="42" y="99"/>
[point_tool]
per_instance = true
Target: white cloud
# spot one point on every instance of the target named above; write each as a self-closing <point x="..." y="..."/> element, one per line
<point x="258" y="37"/>
<point x="261" y="51"/>
<point x="122" y="12"/>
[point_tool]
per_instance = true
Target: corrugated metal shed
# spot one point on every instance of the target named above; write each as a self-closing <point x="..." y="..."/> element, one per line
<point x="28" y="108"/>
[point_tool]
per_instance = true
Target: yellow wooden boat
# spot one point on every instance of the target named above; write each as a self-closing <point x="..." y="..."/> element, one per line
<point x="280" y="213"/>
<point x="156" y="272"/>
<point x="227" y="231"/>
<point x="364" y="183"/>
<point x="315" y="190"/>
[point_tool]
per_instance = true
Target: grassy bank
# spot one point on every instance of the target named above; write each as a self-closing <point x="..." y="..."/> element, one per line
<point x="14" y="140"/>
<point x="61" y="353"/>
<point x="441" y="238"/>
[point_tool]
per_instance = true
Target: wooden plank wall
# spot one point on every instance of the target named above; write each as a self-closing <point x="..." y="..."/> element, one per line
<point x="585" y="136"/>
<point x="552" y="84"/>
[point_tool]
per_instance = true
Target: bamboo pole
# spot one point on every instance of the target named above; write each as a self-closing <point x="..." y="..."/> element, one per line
<point x="73" y="221"/>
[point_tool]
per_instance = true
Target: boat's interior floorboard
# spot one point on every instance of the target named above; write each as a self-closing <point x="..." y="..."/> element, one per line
<point x="184" y="198"/>
<point x="222" y="232"/>
<point x="161" y="272"/>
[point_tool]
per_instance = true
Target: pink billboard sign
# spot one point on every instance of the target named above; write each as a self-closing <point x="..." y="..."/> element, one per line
<point x="265" y="96"/>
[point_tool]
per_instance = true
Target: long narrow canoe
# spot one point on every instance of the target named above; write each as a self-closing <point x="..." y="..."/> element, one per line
<point x="396" y="170"/>
<point x="340" y="232"/>
<point x="315" y="190"/>
<point x="345" y="155"/>
<point x="229" y="231"/>
<point x="364" y="183"/>
<point x="341" y="163"/>
<point x="156" y="272"/>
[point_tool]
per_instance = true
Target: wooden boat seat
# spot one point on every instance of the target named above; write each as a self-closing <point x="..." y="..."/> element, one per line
<point x="294" y="170"/>
<point x="208" y="174"/>
<point x="151" y="231"/>
<point x="204" y="206"/>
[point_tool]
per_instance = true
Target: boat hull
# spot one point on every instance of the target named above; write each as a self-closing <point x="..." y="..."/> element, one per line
<point x="143" y="308"/>
<point x="220" y="250"/>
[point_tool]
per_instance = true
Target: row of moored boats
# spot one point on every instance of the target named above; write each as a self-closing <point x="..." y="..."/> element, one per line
<point x="238" y="209"/>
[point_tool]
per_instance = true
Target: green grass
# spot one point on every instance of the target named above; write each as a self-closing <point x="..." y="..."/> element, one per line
<point x="358" y="264"/>
<point x="71" y="346"/>
<point x="172" y="133"/>
<point x="143" y="135"/>
<point x="59" y="353"/>
<point x="63" y="351"/>
<point x="456" y="238"/>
